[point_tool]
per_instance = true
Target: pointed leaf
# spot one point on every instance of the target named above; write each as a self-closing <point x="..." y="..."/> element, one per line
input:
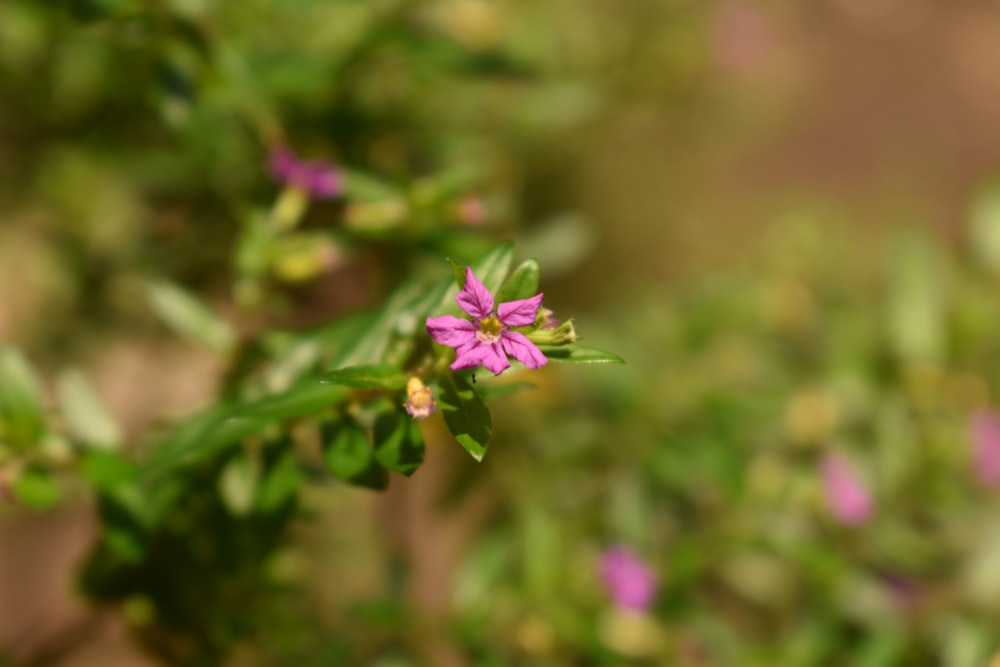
<point x="86" y="417"/>
<point x="189" y="317"/>
<point x="492" y="268"/>
<point x="577" y="354"/>
<point x="349" y="456"/>
<point x="399" y="445"/>
<point x="303" y="399"/>
<point x="224" y="426"/>
<point x="459" y="272"/>
<point x="369" y="376"/>
<point x="522" y="282"/>
<point x="466" y="415"/>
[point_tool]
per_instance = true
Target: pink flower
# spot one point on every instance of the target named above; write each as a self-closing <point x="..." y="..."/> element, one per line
<point x="486" y="338"/>
<point x="984" y="428"/>
<point x="846" y="496"/>
<point x="629" y="581"/>
<point x="316" y="178"/>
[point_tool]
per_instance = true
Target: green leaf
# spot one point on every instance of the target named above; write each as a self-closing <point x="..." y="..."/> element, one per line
<point x="369" y="376"/>
<point x="917" y="307"/>
<point x="366" y="188"/>
<point x="522" y="282"/>
<point x="190" y="318"/>
<point x="984" y="227"/>
<point x="492" y="268"/>
<point x="125" y="543"/>
<point x="459" y="272"/>
<point x="577" y="354"/>
<point x="466" y="415"/>
<point x="399" y="445"/>
<point x="496" y="390"/>
<point x="106" y="470"/>
<point x="238" y="484"/>
<point x="305" y="398"/>
<point x="349" y="456"/>
<point x="224" y="426"/>
<point x="281" y="483"/>
<point x="35" y="487"/>
<point x="86" y="417"/>
<point x="394" y="319"/>
<point x="21" y="418"/>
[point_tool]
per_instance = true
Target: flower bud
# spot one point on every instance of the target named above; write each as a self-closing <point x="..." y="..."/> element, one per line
<point x="563" y="334"/>
<point x="419" y="400"/>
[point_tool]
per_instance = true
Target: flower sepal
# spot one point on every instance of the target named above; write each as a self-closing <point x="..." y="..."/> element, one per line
<point x="564" y="334"/>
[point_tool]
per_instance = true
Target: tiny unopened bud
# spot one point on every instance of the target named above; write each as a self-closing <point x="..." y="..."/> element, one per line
<point x="546" y="320"/>
<point x="563" y="334"/>
<point x="419" y="400"/>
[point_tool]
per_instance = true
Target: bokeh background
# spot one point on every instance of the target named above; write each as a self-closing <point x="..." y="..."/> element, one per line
<point x="781" y="214"/>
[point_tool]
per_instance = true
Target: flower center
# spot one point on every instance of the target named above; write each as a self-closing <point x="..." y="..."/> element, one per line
<point x="489" y="330"/>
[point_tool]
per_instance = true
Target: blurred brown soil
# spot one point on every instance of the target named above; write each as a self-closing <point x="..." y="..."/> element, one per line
<point x="889" y="109"/>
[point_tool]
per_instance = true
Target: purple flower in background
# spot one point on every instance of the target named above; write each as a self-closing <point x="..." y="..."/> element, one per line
<point x="317" y="178"/>
<point x="472" y="210"/>
<point x="486" y="338"/>
<point x="629" y="581"/>
<point x="846" y="496"/>
<point x="984" y="428"/>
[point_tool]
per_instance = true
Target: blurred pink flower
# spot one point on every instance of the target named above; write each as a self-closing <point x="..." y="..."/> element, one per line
<point x="984" y="428"/>
<point x="317" y="178"/>
<point x="846" y="495"/>
<point x="472" y="210"/>
<point x="629" y="581"/>
<point x="486" y="338"/>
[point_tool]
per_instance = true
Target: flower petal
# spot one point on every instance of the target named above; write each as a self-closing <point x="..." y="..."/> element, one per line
<point x="322" y="181"/>
<point x="494" y="359"/>
<point x="469" y="355"/>
<point x="451" y="330"/>
<point x="474" y="299"/>
<point x="281" y="161"/>
<point x="522" y="349"/>
<point x="520" y="313"/>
